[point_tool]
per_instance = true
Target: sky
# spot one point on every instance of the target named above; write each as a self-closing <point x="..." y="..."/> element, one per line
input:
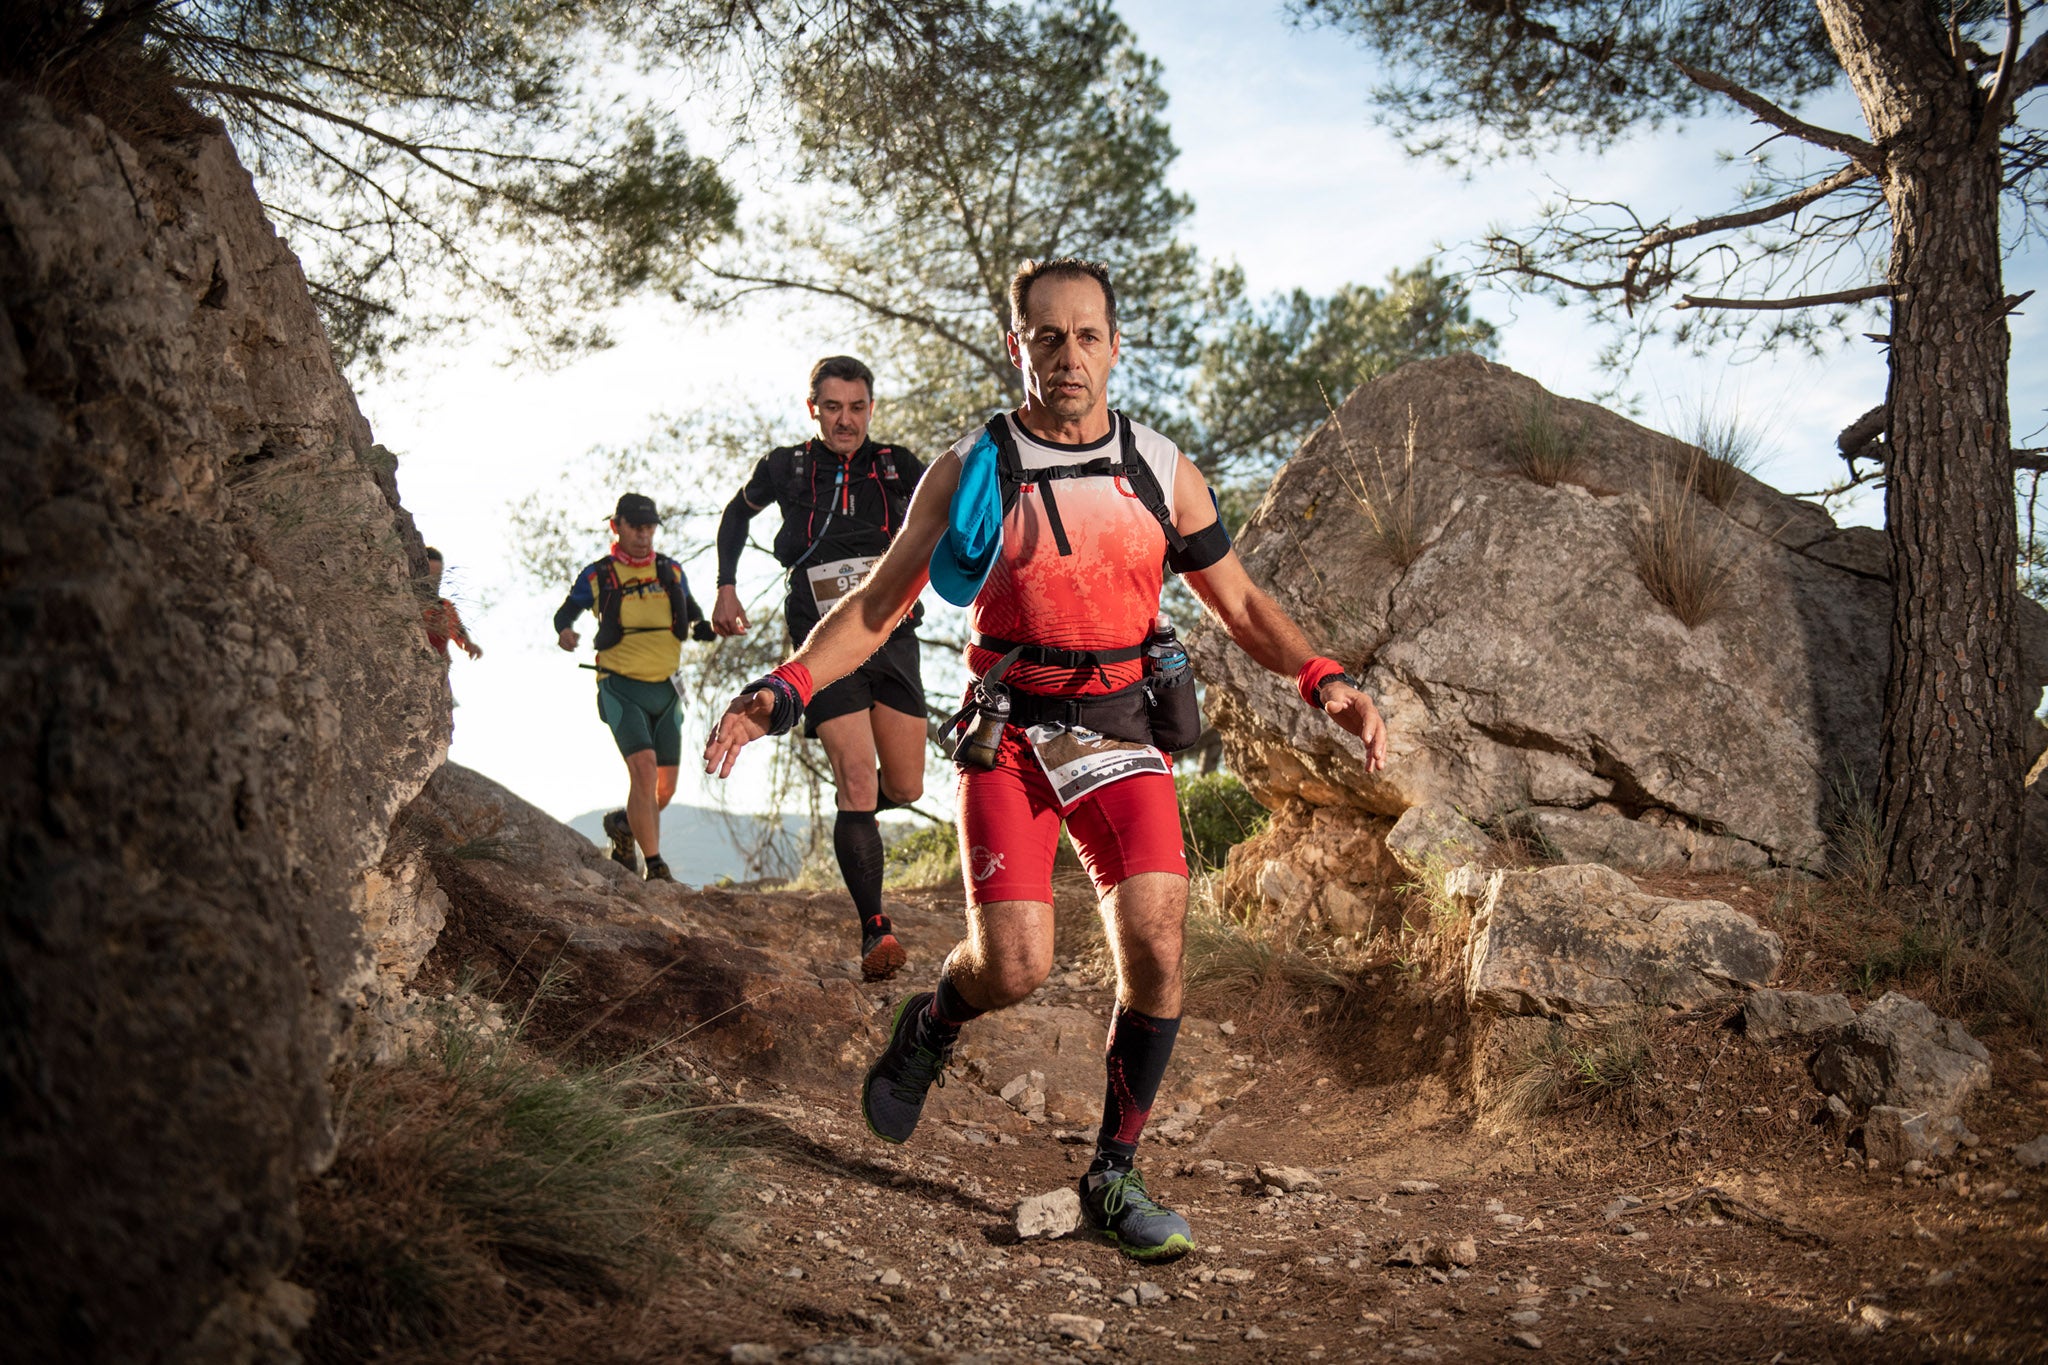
<point x="1290" y="178"/>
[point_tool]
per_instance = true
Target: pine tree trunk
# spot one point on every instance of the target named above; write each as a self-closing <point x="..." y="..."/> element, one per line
<point x="1951" y="777"/>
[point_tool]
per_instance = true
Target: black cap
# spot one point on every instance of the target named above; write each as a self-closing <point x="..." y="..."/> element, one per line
<point x="636" y="509"/>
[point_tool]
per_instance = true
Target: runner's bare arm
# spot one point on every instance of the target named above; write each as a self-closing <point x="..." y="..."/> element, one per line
<point x="1257" y="623"/>
<point x="858" y="623"/>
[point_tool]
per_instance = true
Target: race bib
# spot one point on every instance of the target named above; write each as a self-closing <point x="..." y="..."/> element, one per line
<point x="1077" y="761"/>
<point x="833" y="580"/>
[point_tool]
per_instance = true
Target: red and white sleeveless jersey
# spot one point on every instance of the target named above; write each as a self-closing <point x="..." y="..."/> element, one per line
<point x="1102" y="596"/>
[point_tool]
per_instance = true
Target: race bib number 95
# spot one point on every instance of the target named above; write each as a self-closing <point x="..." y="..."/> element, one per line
<point x="832" y="581"/>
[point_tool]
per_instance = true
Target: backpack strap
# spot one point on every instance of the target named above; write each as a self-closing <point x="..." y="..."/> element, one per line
<point x="609" y="632"/>
<point x="669" y="574"/>
<point x="1146" y="485"/>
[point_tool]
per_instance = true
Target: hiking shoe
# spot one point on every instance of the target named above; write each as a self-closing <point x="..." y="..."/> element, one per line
<point x="892" y="1095"/>
<point x="657" y="870"/>
<point x="1116" y="1204"/>
<point x="619" y="830"/>
<point x="880" y="956"/>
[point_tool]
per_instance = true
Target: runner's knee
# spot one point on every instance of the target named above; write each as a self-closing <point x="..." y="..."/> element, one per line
<point x="903" y="791"/>
<point x="641" y="769"/>
<point x="1011" y="978"/>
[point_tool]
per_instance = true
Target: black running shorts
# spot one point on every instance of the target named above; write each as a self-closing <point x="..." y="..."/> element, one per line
<point x="891" y="677"/>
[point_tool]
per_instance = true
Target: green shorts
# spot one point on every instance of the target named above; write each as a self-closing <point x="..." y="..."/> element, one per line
<point x="643" y="715"/>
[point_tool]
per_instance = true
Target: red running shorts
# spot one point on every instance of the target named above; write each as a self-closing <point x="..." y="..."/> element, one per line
<point x="1010" y="828"/>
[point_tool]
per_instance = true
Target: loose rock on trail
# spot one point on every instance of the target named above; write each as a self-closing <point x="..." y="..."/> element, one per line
<point x="1350" y="1199"/>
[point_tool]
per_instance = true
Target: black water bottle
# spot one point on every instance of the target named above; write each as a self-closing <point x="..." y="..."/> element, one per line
<point x="991" y="714"/>
<point x="1176" y="712"/>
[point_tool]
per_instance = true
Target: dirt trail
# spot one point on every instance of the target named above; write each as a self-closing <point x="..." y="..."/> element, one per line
<point x="1708" y="1218"/>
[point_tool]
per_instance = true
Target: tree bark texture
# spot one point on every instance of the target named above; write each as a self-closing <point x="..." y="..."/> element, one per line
<point x="1951" y="752"/>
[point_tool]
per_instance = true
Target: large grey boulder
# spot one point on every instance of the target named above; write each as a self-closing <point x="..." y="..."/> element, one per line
<point x="1582" y="944"/>
<point x="214" y="696"/>
<point x="1520" y="661"/>
<point x="1899" y="1052"/>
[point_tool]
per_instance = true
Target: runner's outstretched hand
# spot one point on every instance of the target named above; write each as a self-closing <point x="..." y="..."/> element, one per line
<point x="745" y="721"/>
<point x="1353" y="710"/>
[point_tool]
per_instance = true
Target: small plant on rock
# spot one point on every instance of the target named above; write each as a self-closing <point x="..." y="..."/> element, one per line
<point x="1685" y="553"/>
<point x="1729" y="451"/>
<point x="1543" y="450"/>
<point x="1387" y="499"/>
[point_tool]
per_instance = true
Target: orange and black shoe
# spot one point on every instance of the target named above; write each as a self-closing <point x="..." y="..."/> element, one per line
<point x="619" y="830"/>
<point x="880" y="954"/>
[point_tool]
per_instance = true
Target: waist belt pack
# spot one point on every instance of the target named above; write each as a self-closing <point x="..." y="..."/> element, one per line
<point x="1154" y="710"/>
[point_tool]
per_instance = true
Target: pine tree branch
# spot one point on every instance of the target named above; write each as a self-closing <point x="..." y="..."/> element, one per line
<point x="1855" y="148"/>
<point x="1728" y="222"/>
<point x="1868" y="291"/>
<point x="2031" y="71"/>
<point x="1995" y="102"/>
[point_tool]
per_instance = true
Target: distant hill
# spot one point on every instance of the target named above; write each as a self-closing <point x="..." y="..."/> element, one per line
<point x="702" y="845"/>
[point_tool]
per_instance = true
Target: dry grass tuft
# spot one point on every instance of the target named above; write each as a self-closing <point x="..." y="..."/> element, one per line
<point x="1233" y="962"/>
<point x="1543" y="450"/>
<point x="1685" y="554"/>
<point x="480" y="1187"/>
<point x="1567" y="1069"/>
<point x="1730" y="451"/>
<point x="1387" y="498"/>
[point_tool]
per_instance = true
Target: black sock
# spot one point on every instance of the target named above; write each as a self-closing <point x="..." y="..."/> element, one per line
<point x="857" y="839"/>
<point x="949" y="1009"/>
<point x="1139" y="1047"/>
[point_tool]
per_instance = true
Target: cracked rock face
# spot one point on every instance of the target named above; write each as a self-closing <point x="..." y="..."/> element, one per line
<point x="217" y="694"/>
<point x="1523" y="667"/>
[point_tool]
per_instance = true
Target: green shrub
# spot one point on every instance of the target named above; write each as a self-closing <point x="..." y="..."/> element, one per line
<point x="1217" y="812"/>
<point x="925" y="855"/>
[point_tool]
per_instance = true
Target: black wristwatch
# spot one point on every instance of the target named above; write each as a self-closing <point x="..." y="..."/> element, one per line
<point x="1344" y="678"/>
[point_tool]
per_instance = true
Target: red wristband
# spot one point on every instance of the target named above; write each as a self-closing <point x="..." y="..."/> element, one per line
<point x="1310" y="679"/>
<point x="797" y="676"/>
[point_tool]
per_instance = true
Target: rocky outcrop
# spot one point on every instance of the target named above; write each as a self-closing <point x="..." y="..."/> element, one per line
<point x="1581" y="944"/>
<point x="1524" y="668"/>
<point x="216" y="697"/>
<point x="1898" y="1052"/>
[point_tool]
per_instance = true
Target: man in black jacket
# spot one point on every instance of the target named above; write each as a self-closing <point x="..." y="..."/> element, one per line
<point x="843" y="499"/>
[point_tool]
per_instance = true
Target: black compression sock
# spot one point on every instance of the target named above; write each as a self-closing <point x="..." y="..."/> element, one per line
<point x="949" y="1009"/>
<point x="1139" y="1047"/>
<point x="857" y="840"/>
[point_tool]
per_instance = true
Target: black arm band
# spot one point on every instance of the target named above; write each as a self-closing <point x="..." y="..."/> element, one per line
<point x="732" y="538"/>
<point x="789" y="707"/>
<point x="1204" y="548"/>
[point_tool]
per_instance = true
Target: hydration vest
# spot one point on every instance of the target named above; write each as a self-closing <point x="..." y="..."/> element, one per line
<point x="789" y="471"/>
<point x="667" y="573"/>
<point x="1014" y="477"/>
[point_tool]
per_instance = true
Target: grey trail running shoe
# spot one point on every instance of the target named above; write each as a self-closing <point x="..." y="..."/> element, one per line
<point x="619" y="830"/>
<point x="657" y="870"/>
<point x="1117" y="1205"/>
<point x="892" y="1096"/>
